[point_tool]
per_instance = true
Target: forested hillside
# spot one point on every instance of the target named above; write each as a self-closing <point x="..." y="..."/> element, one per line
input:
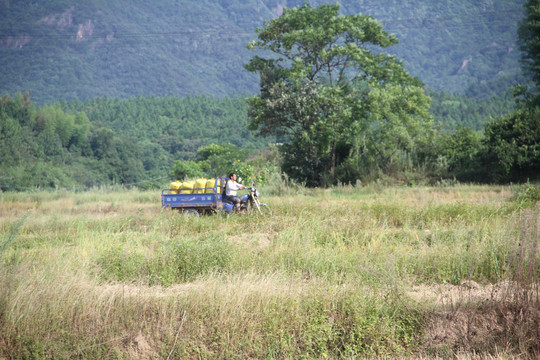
<point x="126" y="141"/>
<point x="110" y="141"/>
<point x="451" y="111"/>
<point x="80" y="50"/>
<point x="116" y="94"/>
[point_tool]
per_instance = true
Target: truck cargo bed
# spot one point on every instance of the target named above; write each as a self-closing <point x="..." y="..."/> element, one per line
<point x="200" y="199"/>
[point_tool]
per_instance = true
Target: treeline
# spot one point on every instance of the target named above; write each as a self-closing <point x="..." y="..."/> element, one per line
<point x="112" y="141"/>
<point x="142" y="141"/>
<point x="49" y="147"/>
<point x="507" y="150"/>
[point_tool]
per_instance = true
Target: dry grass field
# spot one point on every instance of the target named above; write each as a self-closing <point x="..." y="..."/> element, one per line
<point x="347" y="272"/>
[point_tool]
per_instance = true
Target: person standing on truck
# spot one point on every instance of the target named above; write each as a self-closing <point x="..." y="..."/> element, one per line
<point x="230" y="191"/>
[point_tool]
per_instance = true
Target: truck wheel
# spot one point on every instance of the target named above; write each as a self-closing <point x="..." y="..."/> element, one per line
<point x="190" y="212"/>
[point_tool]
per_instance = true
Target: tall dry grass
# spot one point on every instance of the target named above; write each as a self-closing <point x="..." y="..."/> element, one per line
<point x="112" y="275"/>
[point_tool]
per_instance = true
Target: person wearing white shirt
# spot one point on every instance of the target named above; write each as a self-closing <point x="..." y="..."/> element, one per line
<point x="231" y="191"/>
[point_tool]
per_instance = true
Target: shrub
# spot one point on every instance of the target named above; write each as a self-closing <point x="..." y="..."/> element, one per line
<point x="528" y="195"/>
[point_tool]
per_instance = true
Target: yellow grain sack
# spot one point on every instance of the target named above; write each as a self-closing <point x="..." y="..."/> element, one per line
<point x="175" y="185"/>
<point x="200" y="184"/>
<point x="220" y="183"/>
<point x="210" y="183"/>
<point x="187" y="187"/>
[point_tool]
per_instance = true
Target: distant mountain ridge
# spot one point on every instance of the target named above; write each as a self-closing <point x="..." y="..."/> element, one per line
<point x="68" y="50"/>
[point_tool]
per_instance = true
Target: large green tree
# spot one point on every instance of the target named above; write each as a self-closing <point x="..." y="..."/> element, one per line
<point x="332" y="95"/>
<point x="513" y="141"/>
<point x="513" y="146"/>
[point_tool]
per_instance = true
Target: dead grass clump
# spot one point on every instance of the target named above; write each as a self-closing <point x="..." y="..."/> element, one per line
<point x="520" y="309"/>
<point x="139" y="348"/>
<point x="509" y="316"/>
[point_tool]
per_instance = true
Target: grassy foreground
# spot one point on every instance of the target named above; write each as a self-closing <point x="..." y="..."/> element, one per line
<point x="348" y="272"/>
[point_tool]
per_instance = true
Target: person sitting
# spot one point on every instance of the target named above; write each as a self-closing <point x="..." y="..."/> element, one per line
<point x="231" y="189"/>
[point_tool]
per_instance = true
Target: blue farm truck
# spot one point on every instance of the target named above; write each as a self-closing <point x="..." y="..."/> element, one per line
<point x="205" y="197"/>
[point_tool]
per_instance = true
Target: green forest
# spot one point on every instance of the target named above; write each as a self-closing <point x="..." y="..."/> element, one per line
<point x="111" y="141"/>
<point x="138" y="142"/>
<point x="334" y="106"/>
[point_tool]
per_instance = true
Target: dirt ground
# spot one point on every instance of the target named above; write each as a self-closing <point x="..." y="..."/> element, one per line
<point x="471" y="318"/>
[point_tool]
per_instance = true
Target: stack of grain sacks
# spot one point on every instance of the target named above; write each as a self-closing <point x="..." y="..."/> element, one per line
<point x="198" y="186"/>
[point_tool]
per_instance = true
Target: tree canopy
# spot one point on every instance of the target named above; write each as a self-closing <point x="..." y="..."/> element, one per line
<point x="337" y="101"/>
<point x="513" y="141"/>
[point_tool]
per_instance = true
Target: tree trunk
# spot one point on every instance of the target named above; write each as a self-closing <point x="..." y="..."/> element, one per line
<point x="333" y="161"/>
